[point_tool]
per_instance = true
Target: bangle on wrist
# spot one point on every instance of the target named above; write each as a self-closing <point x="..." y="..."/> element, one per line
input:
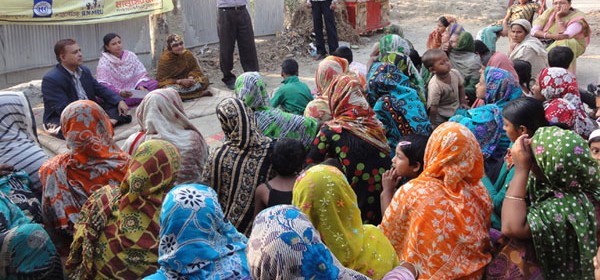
<point x="514" y="198"/>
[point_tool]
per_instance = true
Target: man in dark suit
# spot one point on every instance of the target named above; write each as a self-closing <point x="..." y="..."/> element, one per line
<point x="70" y="81"/>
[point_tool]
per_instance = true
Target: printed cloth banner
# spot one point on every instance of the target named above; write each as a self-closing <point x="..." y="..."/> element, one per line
<point x="64" y="12"/>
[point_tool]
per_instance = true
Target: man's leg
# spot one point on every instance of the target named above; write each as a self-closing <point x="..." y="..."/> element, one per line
<point x="245" y="40"/>
<point x="226" y="31"/>
<point x="317" y="15"/>
<point x="332" y="38"/>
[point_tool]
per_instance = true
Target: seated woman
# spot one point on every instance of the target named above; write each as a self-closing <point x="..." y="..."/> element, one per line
<point x="121" y="71"/>
<point x="526" y="47"/>
<point x="16" y="186"/>
<point x="497" y="86"/>
<point x="463" y="58"/>
<point x="396" y="105"/>
<point x="117" y="232"/>
<point x="524" y="10"/>
<point x="27" y="251"/>
<point x="285" y="245"/>
<point x="485" y="123"/>
<point x="563" y="25"/>
<point x="196" y="241"/>
<point x="434" y="40"/>
<point x="327" y="70"/>
<point x="324" y="195"/>
<point x="273" y="122"/>
<point x="18" y="139"/>
<point x="178" y="69"/>
<point x="357" y="140"/>
<point x="521" y="116"/>
<point x="447" y="204"/>
<point x="562" y="103"/>
<point x="235" y="169"/>
<point x="93" y="161"/>
<point x="551" y="201"/>
<point x="161" y="116"/>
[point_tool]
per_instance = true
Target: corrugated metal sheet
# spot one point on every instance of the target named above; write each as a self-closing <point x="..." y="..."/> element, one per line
<point x="26" y="50"/>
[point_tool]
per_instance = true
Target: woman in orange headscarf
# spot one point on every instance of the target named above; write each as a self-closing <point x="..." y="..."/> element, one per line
<point x="328" y="69"/>
<point x="439" y="221"/>
<point x="93" y="161"/>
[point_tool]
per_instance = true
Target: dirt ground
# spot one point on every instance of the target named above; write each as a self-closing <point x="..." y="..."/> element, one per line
<point x="416" y="17"/>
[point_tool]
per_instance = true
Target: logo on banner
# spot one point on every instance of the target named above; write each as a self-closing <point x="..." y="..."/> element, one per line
<point x="42" y="8"/>
<point x="92" y="7"/>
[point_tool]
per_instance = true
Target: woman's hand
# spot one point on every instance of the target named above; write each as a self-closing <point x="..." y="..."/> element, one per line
<point x="521" y="152"/>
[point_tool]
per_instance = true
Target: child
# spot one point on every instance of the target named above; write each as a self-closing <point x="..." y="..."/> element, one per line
<point x="446" y="91"/>
<point x="293" y="95"/>
<point x="407" y="164"/>
<point x="287" y="160"/>
<point x="560" y="57"/>
<point x="435" y="37"/>
<point x="594" y="144"/>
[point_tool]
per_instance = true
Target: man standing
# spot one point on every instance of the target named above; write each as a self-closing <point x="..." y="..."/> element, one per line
<point x="70" y="81"/>
<point x="324" y="10"/>
<point x="234" y="24"/>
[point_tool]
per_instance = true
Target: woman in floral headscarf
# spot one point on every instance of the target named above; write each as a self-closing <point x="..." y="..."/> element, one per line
<point x="236" y="169"/>
<point x="485" y="123"/>
<point x="562" y="103"/>
<point x="551" y="200"/>
<point x="196" y="241"/>
<point x="273" y="122"/>
<point x="285" y="245"/>
<point x="327" y="70"/>
<point x="324" y="195"/>
<point x="396" y="104"/>
<point x="93" y="161"/>
<point x="439" y="221"/>
<point x="161" y="116"/>
<point x="357" y="139"/>
<point x="117" y="232"/>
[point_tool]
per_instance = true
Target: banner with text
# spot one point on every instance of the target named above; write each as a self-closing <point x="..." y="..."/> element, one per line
<point x="64" y="12"/>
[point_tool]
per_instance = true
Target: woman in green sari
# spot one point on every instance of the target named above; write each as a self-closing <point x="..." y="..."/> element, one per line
<point x="563" y="25"/>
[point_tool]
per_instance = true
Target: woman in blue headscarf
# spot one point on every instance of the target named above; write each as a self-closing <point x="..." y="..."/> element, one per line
<point x="396" y="105"/>
<point x="196" y="241"/>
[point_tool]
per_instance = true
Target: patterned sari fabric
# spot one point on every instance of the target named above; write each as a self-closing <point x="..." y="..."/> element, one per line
<point x="26" y="249"/>
<point x="563" y="103"/>
<point x="485" y="123"/>
<point x="351" y="112"/>
<point x="18" y="139"/>
<point x="396" y="104"/>
<point x="500" y="60"/>
<point x="501" y="87"/>
<point x="327" y="70"/>
<point x="196" y="241"/>
<point x="161" y="116"/>
<point x="93" y="161"/>
<point x="393" y="43"/>
<point x="440" y="220"/>
<point x="285" y="245"/>
<point x="578" y="43"/>
<point x="403" y="62"/>
<point x="273" y="122"/>
<point x="235" y="169"/>
<point x="324" y="195"/>
<point x="117" y="231"/>
<point x="16" y="187"/>
<point x="561" y="215"/>
<point x="172" y="67"/>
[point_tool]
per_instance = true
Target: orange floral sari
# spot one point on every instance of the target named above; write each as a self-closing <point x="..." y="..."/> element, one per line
<point x="440" y="220"/>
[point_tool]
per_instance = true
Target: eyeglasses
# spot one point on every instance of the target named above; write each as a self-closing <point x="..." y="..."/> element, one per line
<point x="175" y="45"/>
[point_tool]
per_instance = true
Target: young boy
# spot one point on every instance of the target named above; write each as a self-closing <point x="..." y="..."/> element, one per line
<point x="560" y="56"/>
<point x="446" y="91"/>
<point x="293" y="95"/>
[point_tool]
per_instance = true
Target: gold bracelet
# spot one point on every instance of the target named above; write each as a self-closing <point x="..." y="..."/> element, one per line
<point x="514" y="198"/>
